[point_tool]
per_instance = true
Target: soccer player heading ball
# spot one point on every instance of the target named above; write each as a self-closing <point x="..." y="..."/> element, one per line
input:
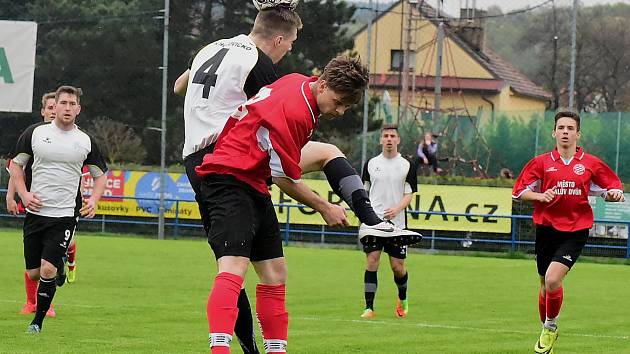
<point x="559" y="183"/>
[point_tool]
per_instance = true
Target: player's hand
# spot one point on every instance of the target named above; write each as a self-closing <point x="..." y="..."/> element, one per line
<point x="426" y="161"/>
<point x="31" y="202"/>
<point x="390" y="213"/>
<point x="335" y="215"/>
<point x="89" y="208"/>
<point x="615" y="196"/>
<point x="12" y="206"/>
<point x="547" y="196"/>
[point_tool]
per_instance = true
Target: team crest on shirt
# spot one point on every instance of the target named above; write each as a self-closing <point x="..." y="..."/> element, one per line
<point x="47" y="140"/>
<point x="579" y="169"/>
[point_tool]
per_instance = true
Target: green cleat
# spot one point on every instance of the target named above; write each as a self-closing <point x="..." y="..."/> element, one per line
<point x="33" y="328"/>
<point x="402" y="308"/>
<point x="72" y="275"/>
<point x="368" y="313"/>
<point x="545" y="343"/>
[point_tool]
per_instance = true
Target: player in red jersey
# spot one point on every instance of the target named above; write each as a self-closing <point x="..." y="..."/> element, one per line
<point x="559" y="183"/>
<point x="262" y="141"/>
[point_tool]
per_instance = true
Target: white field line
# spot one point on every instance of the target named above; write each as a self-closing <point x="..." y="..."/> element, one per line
<point x="398" y="323"/>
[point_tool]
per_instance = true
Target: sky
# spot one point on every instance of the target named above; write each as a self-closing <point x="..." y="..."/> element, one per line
<point x="452" y="6"/>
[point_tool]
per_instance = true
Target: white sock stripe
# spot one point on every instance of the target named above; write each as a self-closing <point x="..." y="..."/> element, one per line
<point x="219" y="339"/>
<point x="275" y="346"/>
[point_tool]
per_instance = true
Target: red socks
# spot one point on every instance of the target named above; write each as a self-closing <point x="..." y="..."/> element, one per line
<point x="554" y="302"/>
<point x="542" y="308"/>
<point x="222" y="311"/>
<point x="72" y="251"/>
<point x="273" y="317"/>
<point x="31" y="289"/>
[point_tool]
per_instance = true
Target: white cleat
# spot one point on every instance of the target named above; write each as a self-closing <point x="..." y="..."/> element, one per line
<point x="393" y="234"/>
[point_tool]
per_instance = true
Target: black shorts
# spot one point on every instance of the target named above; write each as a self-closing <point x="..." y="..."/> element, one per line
<point x="47" y="238"/>
<point x="243" y="221"/>
<point x="381" y="244"/>
<point x="558" y="246"/>
<point x="190" y="162"/>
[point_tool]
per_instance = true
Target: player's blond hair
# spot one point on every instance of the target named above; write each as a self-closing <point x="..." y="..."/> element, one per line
<point x="71" y="90"/>
<point x="346" y="76"/>
<point x="46" y="97"/>
<point x="276" y="21"/>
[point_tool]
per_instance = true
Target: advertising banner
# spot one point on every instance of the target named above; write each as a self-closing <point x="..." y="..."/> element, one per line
<point x="17" y="65"/>
<point x="141" y="191"/>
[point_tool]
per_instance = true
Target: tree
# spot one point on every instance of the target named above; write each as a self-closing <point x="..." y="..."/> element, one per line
<point x="118" y="141"/>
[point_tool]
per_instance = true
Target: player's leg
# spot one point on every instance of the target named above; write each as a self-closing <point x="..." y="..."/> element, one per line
<point x="271" y="304"/>
<point x="346" y="183"/>
<point x="244" y="327"/>
<point x="32" y="255"/>
<point x="30" y="286"/>
<point x="72" y="256"/>
<point x="397" y="255"/>
<point x="56" y="236"/>
<point x="231" y="214"/>
<point x="547" y="246"/>
<point x="342" y="177"/>
<point x="268" y="259"/>
<point x="370" y="278"/>
<point x="33" y="248"/>
<point x="568" y="248"/>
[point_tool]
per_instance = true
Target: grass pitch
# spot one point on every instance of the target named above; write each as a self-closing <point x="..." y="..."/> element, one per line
<point x="136" y="295"/>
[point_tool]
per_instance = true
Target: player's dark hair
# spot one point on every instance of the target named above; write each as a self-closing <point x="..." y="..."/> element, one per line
<point x="346" y="76"/>
<point x="567" y="114"/>
<point x="71" y="90"/>
<point x="389" y="127"/>
<point x="276" y="20"/>
<point x="46" y="97"/>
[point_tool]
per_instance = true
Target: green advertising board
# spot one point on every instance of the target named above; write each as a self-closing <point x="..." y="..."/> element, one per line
<point x="611" y="211"/>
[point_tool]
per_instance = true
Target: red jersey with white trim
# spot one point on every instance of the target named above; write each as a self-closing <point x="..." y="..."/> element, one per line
<point x="573" y="180"/>
<point x="265" y="136"/>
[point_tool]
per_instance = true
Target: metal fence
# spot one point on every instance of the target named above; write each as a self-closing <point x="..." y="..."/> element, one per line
<point x="490" y="143"/>
<point x="520" y="239"/>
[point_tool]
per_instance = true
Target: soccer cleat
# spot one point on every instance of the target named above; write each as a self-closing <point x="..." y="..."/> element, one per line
<point x="402" y="308"/>
<point x="544" y="345"/>
<point x="399" y="237"/>
<point x="51" y="312"/>
<point x="72" y="275"/>
<point x="33" y="328"/>
<point x="28" y="308"/>
<point x="368" y="313"/>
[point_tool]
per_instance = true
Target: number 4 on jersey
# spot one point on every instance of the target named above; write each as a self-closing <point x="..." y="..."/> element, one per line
<point x="206" y="74"/>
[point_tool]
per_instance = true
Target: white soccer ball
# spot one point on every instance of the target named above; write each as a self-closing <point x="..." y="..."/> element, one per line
<point x="267" y="4"/>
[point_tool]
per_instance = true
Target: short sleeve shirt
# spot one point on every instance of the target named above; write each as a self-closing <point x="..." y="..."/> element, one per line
<point x="573" y="181"/>
<point x="57" y="159"/>
<point x="387" y="180"/>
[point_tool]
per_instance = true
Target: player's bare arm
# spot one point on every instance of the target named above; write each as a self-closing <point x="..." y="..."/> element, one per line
<point x="89" y="209"/>
<point x="181" y="84"/>
<point x="333" y="214"/>
<point x="18" y="177"/>
<point x="544" y="197"/>
<point x="12" y="206"/>
<point x="391" y="213"/>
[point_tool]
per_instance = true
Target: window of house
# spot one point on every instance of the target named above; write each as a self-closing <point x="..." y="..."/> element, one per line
<point x="397" y="60"/>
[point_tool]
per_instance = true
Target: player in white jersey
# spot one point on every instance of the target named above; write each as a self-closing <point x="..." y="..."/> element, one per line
<point x="13" y="207"/>
<point x="58" y="150"/>
<point x="391" y="183"/>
